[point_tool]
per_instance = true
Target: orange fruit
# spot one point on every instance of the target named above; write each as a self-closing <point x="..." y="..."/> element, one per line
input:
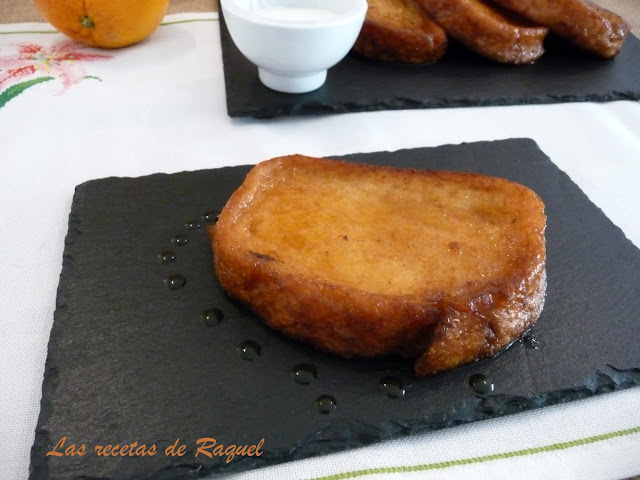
<point x="104" y="23"/>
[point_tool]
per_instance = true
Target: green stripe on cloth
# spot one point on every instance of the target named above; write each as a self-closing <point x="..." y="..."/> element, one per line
<point x="482" y="459"/>
<point x="189" y="21"/>
<point x="15" y="32"/>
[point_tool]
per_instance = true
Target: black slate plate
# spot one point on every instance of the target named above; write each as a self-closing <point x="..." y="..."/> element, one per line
<point x="460" y="79"/>
<point x="131" y="360"/>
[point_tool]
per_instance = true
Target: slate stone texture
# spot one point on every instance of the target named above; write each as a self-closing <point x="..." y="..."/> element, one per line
<point x="145" y="345"/>
<point x="460" y="79"/>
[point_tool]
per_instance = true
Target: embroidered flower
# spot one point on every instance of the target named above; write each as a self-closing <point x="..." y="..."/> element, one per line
<point x="63" y="60"/>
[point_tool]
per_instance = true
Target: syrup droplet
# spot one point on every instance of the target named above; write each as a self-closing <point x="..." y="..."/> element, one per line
<point x="304" y="374"/>
<point x="530" y="341"/>
<point x="166" y="256"/>
<point x="193" y="224"/>
<point x="392" y="386"/>
<point x="212" y="317"/>
<point x="326" y="404"/>
<point x="248" y="350"/>
<point x="211" y="216"/>
<point x="481" y="384"/>
<point x="175" y="281"/>
<point x="180" y="240"/>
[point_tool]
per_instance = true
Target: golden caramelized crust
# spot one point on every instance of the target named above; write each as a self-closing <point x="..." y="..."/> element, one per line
<point x="399" y="31"/>
<point x="488" y="30"/>
<point x="360" y="260"/>
<point x="587" y="25"/>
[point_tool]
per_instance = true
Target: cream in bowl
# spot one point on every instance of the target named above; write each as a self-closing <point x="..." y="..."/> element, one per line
<point x="294" y="42"/>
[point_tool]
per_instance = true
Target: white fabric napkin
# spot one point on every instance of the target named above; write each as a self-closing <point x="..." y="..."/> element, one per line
<point x="69" y="114"/>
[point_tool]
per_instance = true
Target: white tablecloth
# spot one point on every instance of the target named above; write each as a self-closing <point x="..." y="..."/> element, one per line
<point x="160" y="107"/>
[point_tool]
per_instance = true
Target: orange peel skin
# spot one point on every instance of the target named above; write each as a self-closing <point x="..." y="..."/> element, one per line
<point x="104" y="23"/>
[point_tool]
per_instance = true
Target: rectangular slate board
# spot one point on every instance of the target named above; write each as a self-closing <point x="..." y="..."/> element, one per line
<point x="459" y="79"/>
<point x="131" y="360"/>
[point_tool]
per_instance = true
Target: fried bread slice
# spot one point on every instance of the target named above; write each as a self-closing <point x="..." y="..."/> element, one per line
<point x="589" y="26"/>
<point x="442" y="267"/>
<point x="400" y="31"/>
<point x="489" y="30"/>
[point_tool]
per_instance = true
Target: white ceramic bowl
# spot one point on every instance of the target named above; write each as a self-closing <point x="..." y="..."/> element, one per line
<point x="294" y="42"/>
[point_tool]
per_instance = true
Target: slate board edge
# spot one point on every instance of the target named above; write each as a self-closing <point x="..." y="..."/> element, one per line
<point x="310" y="108"/>
<point x="603" y="380"/>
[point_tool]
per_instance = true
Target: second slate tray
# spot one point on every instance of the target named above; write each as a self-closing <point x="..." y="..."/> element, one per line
<point x="460" y="79"/>
<point x="145" y="347"/>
